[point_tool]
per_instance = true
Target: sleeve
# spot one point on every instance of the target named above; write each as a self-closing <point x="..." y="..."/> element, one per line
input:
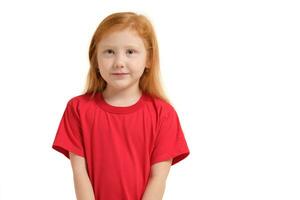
<point x="69" y="135"/>
<point x="170" y="142"/>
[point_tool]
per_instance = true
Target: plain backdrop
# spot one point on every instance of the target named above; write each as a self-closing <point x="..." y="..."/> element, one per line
<point x="232" y="69"/>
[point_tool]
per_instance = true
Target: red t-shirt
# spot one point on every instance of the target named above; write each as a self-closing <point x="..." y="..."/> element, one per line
<point x="120" y="143"/>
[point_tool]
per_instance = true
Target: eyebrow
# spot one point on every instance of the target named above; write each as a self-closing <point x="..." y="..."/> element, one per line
<point x="126" y="46"/>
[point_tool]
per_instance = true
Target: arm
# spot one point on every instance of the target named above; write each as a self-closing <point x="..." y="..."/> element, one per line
<point x="82" y="184"/>
<point x="157" y="181"/>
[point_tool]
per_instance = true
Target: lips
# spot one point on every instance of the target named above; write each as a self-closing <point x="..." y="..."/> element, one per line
<point x="119" y="73"/>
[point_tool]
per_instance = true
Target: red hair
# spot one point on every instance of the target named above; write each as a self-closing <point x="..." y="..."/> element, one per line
<point x="150" y="81"/>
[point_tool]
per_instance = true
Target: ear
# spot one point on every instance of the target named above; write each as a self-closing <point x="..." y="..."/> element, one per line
<point x="148" y="63"/>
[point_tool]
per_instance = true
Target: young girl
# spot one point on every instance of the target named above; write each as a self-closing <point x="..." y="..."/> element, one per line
<point x="122" y="134"/>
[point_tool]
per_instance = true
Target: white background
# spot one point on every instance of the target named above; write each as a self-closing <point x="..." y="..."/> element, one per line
<point x="232" y="69"/>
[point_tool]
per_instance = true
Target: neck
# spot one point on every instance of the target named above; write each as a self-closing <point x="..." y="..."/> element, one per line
<point x="125" y="97"/>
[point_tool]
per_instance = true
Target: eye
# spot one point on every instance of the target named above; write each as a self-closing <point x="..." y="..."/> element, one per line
<point x="131" y="51"/>
<point x="108" y="51"/>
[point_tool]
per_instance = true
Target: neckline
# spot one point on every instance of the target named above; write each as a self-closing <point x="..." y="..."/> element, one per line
<point x="120" y="109"/>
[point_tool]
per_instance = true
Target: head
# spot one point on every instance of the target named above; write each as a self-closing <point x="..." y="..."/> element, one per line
<point x="109" y="53"/>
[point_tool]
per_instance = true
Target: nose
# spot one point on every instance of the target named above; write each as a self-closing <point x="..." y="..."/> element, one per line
<point x="119" y="61"/>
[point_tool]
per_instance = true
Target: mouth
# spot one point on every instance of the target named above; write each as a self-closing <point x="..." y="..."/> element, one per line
<point x="119" y="74"/>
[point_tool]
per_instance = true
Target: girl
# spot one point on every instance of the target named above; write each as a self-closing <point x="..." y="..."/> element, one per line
<point x="122" y="134"/>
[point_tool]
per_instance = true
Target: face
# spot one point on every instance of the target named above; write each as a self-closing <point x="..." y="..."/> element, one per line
<point x="121" y="57"/>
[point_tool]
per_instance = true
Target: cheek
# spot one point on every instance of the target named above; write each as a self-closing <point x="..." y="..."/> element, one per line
<point x="104" y="63"/>
<point x="140" y="62"/>
<point x="137" y="65"/>
<point x="104" y="67"/>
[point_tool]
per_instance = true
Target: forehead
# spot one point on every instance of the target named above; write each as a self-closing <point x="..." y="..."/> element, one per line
<point x="120" y="38"/>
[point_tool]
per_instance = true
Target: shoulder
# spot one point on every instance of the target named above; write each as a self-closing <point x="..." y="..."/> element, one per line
<point x="82" y="98"/>
<point x="162" y="108"/>
<point x="80" y="101"/>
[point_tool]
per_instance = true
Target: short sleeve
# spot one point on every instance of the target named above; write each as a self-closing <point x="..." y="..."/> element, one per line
<point x="69" y="135"/>
<point x="170" y="142"/>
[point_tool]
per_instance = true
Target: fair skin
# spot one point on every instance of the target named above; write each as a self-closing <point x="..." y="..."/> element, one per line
<point x="121" y="51"/>
<point x="82" y="183"/>
<point x="154" y="190"/>
<point x="157" y="180"/>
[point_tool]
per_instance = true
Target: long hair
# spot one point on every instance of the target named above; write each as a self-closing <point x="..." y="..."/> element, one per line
<point x="150" y="81"/>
